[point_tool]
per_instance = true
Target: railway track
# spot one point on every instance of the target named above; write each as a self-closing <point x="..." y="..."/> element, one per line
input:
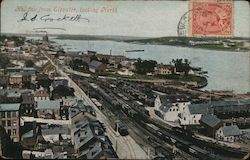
<point x="185" y="143"/>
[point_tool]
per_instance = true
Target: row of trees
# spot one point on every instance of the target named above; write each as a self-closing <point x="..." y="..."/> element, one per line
<point x="147" y="66"/>
<point x="182" y="65"/>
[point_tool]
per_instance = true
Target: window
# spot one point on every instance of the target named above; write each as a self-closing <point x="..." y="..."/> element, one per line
<point x="9" y="123"/>
<point x="173" y="109"/>
<point x="9" y="131"/>
<point x="4" y="123"/>
<point x="184" y="118"/>
<point x="14" y="123"/>
<point x="3" y="114"/>
<point x="170" y="109"/>
<point x="8" y="114"/>
<point x="14" y="132"/>
<point x="177" y="109"/>
<point x="13" y="114"/>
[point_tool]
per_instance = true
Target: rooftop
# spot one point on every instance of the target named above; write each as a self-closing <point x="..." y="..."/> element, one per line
<point x="199" y="108"/>
<point x="10" y="107"/>
<point x="95" y="64"/>
<point x="210" y="120"/>
<point x="231" y="130"/>
<point x="48" y="104"/>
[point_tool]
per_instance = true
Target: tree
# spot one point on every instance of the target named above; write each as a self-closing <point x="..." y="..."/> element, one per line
<point x="62" y="91"/>
<point x="29" y="63"/>
<point x="104" y="61"/>
<point x="182" y="66"/>
<point x="92" y="58"/>
<point x="145" y="66"/>
<point x="4" y="61"/>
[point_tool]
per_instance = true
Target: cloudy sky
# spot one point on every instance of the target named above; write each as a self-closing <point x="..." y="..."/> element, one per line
<point x="127" y="18"/>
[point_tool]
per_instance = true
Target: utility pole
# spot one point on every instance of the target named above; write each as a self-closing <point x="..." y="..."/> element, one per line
<point x="117" y="134"/>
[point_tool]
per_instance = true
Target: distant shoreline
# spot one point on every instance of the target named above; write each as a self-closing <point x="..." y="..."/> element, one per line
<point x="152" y="43"/>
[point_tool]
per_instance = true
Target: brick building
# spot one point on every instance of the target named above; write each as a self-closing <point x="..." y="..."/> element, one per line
<point x="10" y="120"/>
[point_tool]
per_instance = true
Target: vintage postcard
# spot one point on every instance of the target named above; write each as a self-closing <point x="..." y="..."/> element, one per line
<point x="125" y="79"/>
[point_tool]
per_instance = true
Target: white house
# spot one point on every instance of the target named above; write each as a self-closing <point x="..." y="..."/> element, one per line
<point x="170" y="111"/>
<point x="192" y="114"/>
<point x="176" y="108"/>
<point x="228" y="133"/>
<point x="125" y="72"/>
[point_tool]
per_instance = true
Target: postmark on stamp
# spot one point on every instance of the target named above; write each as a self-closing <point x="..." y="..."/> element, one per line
<point x="211" y="18"/>
<point x="207" y="18"/>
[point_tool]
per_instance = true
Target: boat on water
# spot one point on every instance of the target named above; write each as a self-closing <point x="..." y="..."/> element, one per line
<point x="135" y="50"/>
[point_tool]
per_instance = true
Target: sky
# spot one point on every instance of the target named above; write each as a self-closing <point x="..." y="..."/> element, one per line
<point x="126" y="18"/>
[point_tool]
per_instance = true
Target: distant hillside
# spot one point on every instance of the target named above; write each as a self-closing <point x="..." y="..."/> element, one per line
<point x="100" y="37"/>
<point x="216" y="43"/>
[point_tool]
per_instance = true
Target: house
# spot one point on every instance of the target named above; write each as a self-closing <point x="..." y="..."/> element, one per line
<point x="125" y="72"/>
<point x="55" y="133"/>
<point x="90" y="142"/>
<point x="48" y="109"/>
<point x="27" y="104"/>
<point x="129" y="64"/>
<point x="80" y="111"/>
<point x="228" y="133"/>
<point x="41" y="95"/>
<point x="10" y="120"/>
<point x="162" y="69"/>
<point x="16" y="79"/>
<point x="169" y="107"/>
<point x="10" y="44"/>
<point x="10" y="96"/>
<point x="60" y="81"/>
<point x="96" y="66"/>
<point x="192" y="114"/>
<point x="211" y="124"/>
<point x="29" y="75"/>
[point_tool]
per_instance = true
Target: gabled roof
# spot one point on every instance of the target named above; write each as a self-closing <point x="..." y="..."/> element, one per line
<point x="199" y="108"/>
<point x="210" y="120"/>
<point x="10" y="107"/>
<point x="231" y="130"/>
<point x="165" y="108"/>
<point x="95" y="64"/>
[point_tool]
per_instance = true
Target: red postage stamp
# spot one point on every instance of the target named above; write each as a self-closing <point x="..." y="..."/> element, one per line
<point x="211" y="18"/>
